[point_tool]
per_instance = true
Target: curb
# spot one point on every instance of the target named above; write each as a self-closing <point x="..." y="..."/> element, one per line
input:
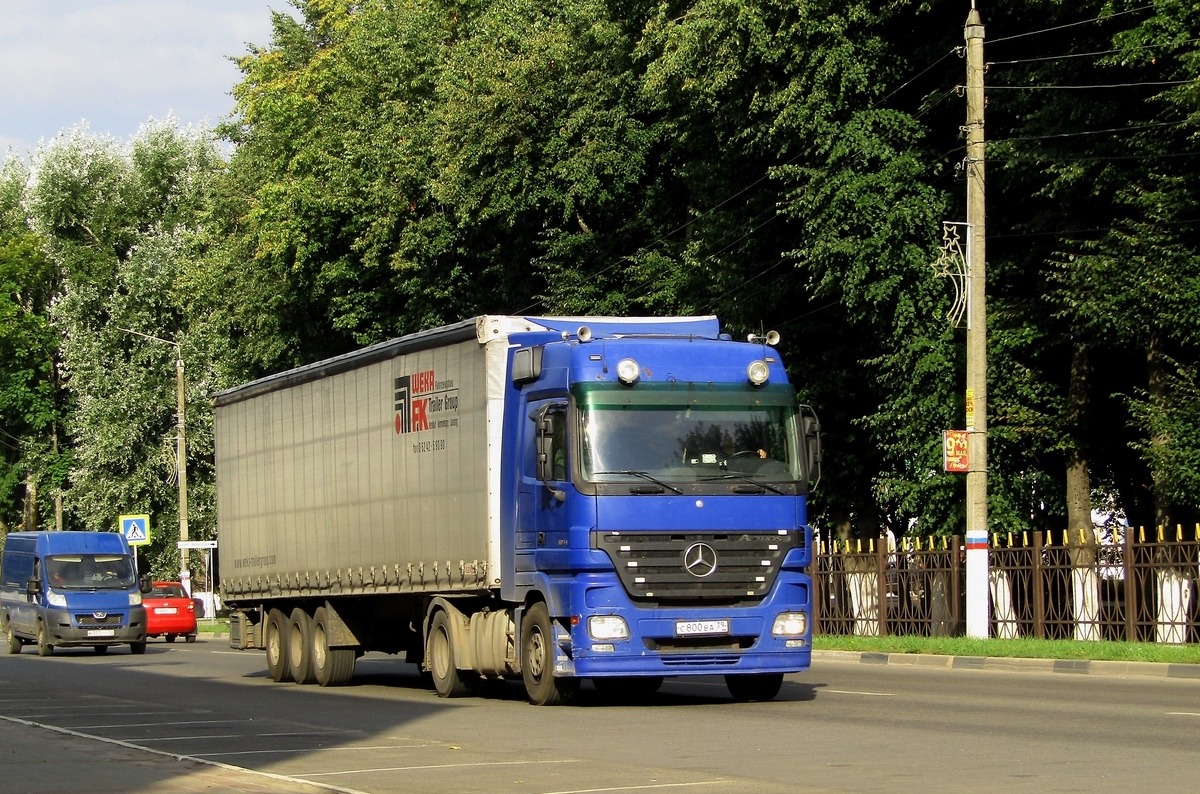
<point x="1013" y="664"/>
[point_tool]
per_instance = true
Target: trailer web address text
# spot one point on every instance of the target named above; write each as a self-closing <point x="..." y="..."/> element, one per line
<point x="255" y="562"/>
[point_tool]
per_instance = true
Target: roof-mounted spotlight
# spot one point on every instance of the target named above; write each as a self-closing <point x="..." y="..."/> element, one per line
<point x="628" y="371"/>
<point x="758" y="372"/>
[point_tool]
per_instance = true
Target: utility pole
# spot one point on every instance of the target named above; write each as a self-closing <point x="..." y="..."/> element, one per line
<point x="978" y="620"/>
<point x="180" y="453"/>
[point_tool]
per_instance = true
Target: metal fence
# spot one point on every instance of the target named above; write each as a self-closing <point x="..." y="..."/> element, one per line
<point x="1134" y="586"/>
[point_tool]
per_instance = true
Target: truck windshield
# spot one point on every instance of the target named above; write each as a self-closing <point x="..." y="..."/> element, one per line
<point x="684" y="433"/>
<point x="90" y="572"/>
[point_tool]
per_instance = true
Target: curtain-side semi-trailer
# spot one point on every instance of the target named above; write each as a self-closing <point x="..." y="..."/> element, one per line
<point x="555" y="499"/>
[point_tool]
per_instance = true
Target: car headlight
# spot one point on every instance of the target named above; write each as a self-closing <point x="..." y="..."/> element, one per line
<point x="55" y="599"/>
<point x="790" y="624"/>
<point x="135" y="598"/>
<point x="608" y="627"/>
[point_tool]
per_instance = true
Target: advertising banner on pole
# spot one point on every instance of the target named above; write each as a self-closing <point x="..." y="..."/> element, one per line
<point x="955" y="457"/>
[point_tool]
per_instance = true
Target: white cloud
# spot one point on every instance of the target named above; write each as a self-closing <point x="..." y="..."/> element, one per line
<point x="118" y="63"/>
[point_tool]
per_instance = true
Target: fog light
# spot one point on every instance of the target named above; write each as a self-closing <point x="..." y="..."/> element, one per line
<point x="790" y="624"/>
<point x="608" y="627"/>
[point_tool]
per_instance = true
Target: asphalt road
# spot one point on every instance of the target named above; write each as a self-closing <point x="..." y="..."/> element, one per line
<point x="201" y="717"/>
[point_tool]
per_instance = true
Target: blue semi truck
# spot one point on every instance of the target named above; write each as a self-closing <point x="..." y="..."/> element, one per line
<point x="550" y="499"/>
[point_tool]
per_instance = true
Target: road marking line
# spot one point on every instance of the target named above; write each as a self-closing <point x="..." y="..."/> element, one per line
<point x="438" y="766"/>
<point x="179" y="757"/>
<point x="642" y="787"/>
<point x="318" y="750"/>
<point x="856" y="692"/>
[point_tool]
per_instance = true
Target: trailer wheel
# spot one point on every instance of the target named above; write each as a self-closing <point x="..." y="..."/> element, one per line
<point x="275" y="639"/>
<point x="446" y="680"/>
<point x="14" y="642"/>
<point x="300" y="657"/>
<point x="331" y="666"/>
<point x="537" y="660"/>
<point x="754" y="686"/>
<point x="43" y="640"/>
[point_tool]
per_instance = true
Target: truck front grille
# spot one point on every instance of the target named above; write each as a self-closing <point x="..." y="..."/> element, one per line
<point x="698" y="567"/>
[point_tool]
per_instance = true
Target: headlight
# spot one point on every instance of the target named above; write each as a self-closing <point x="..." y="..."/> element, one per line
<point x="608" y="627"/>
<point x="790" y="624"/>
<point x="55" y="599"/>
<point x="135" y="598"/>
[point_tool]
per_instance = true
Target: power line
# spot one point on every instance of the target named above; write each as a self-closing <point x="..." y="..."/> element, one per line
<point x="1099" y="85"/>
<point x="1089" y="54"/>
<point x="1072" y="24"/>
<point x="1091" y="132"/>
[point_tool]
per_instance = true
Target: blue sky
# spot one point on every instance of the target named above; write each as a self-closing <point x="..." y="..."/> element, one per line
<point x="116" y="64"/>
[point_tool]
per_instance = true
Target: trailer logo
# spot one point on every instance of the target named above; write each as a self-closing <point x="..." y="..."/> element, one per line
<point x="422" y="402"/>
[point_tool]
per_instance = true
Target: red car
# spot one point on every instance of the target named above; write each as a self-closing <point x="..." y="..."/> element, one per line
<point x="170" y="612"/>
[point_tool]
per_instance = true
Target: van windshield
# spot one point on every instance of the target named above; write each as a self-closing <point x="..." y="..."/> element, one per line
<point x="90" y="572"/>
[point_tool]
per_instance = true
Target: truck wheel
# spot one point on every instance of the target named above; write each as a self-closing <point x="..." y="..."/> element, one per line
<point x="14" y="642"/>
<point x="275" y="639"/>
<point x="537" y="660"/>
<point x="300" y="657"/>
<point x="446" y="680"/>
<point x="754" y="686"/>
<point x="43" y="640"/>
<point x="331" y="666"/>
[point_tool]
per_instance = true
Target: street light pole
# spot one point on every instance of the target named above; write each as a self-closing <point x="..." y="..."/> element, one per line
<point x="180" y="452"/>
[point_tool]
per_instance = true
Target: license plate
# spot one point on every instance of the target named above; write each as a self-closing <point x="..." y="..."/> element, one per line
<point x="688" y="628"/>
<point x="165" y="611"/>
<point x="101" y="632"/>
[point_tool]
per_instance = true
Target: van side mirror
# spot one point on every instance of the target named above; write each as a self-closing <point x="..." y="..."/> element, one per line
<point x="33" y="586"/>
<point x="145" y="584"/>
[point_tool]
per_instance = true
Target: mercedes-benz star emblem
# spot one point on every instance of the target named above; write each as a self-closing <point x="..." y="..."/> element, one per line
<point x="700" y="560"/>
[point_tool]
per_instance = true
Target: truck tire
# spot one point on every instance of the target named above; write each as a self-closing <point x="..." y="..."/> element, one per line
<point x="14" y="642"/>
<point x="331" y="666"/>
<point x="754" y="686"/>
<point x="43" y="640"/>
<point x="537" y="660"/>
<point x="440" y="655"/>
<point x="300" y="656"/>
<point x="275" y="640"/>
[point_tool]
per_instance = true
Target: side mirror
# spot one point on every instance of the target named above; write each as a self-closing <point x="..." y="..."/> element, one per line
<point x="33" y="586"/>
<point x="145" y="584"/>
<point x="810" y="430"/>
<point x="547" y="449"/>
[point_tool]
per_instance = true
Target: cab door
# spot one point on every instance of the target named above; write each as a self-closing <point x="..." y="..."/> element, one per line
<point x="544" y="482"/>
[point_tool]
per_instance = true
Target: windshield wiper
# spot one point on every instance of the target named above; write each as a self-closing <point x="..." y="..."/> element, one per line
<point x="644" y="476"/>
<point x="743" y="478"/>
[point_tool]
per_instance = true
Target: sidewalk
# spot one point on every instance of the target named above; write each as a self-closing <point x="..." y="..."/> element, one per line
<point x="1074" y="666"/>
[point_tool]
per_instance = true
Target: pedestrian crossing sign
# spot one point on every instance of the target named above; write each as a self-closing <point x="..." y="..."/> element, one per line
<point x="136" y="529"/>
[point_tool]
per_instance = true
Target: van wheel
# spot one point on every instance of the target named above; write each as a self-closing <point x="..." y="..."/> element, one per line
<point x="137" y="647"/>
<point x="14" y="642"/>
<point x="275" y="640"/>
<point x="300" y="658"/>
<point x="537" y="660"/>
<point x="43" y="641"/>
